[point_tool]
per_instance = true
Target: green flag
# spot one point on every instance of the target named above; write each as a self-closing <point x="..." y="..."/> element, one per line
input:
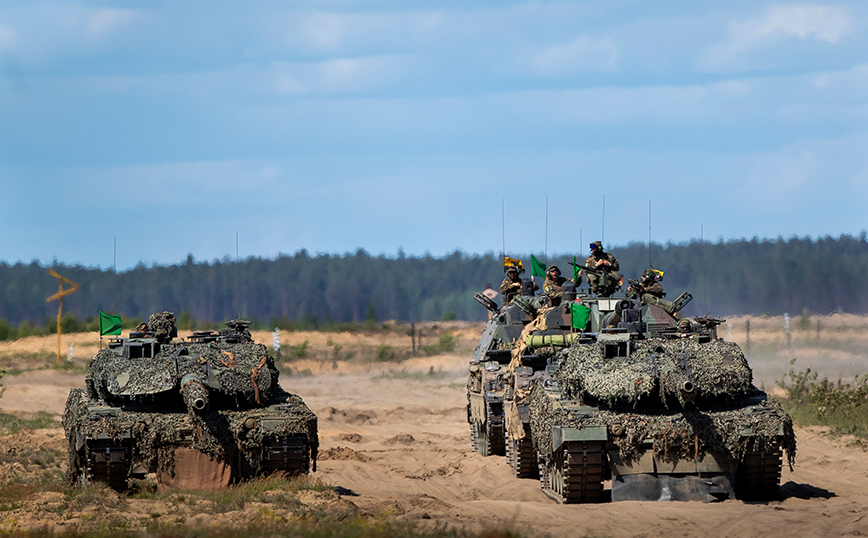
<point x="579" y="316"/>
<point x="575" y="272"/>
<point x="109" y="324"/>
<point x="536" y="267"/>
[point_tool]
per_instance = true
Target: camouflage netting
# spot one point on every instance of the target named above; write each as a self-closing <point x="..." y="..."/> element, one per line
<point x="245" y="372"/>
<point x="231" y="436"/>
<point x="227" y="388"/>
<point x="162" y="324"/>
<point x="676" y="435"/>
<point x="714" y="368"/>
<point x="537" y="324"/>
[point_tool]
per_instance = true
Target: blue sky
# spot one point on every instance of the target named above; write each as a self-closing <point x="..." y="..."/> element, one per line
<point x="381" y="125"/>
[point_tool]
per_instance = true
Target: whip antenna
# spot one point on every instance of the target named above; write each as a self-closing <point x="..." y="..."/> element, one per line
<point x="603" y="234"/>
<point x="649" y="235"/>
<point x="704" y="289"/>
<point x="115" y="271"/>
<point x="547" y="230"/>
<point x="503" y="229"/>
<point x="238" y="271"/>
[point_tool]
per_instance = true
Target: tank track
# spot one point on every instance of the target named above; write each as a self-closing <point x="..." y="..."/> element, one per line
<point x="487" y="439"/>
<point x="576" y="474"/>
<point x="758" y="475"/>
<point x="290" y="455"/>
<point x="494" y="433"/>
<point x="104" y="461"/>
<point x="521" y="456"/>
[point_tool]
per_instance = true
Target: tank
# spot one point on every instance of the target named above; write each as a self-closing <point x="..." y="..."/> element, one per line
<point x="657" y="404"/>
<point x="201" y="412"/>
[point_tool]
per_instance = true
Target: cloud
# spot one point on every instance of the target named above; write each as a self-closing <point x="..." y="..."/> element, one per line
<point x="8" y="36"/>
<point x="583" y="54"/>
<point x="107" y="21"/>
<point x="780" y="24"/>
<point x="335" y="76"/>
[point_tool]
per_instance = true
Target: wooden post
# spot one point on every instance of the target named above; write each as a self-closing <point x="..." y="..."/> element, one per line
<point x="61" y="293"/>
<point x="413" y="337"/>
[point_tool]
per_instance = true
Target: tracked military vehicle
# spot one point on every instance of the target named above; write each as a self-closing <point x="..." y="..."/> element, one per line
<point x="488" y="367"/>
<point x="658" y="405"/>
<point x="201" y="412"/>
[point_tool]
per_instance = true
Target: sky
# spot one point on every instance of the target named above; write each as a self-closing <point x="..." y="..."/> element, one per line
<point x="424" y="127"/>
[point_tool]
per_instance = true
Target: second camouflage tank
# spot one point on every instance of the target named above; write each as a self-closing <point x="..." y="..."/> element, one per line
<point x="663" y="408"/>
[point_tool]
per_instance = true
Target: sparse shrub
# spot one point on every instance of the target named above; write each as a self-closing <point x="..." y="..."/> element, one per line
<point x="804" y="322"/>
<point x="13" y="424"/>
<point x="299" y="350"/>
<point x="445" y="344"/>
<point x="842" y="406"/>
<point x="385" y="353"/>
<point x="450" y="316"/>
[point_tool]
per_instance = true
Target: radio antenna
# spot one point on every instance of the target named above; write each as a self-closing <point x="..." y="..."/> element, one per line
<point x="547" y="230"/>
<point x="704" y="288"/>
<point x="649" y="235"/>
<point x="503" y="229"/>
<point x="238" y="271"/>
<point x="603" y="234"/>
<point x="115" y="271"/>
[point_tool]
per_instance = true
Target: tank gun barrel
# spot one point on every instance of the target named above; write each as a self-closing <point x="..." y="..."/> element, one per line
<point x="195" y="393"/>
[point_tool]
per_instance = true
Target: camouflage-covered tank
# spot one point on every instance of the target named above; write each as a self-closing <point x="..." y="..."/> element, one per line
<point x="199" y="412"/>
<point x="659" y="405"/>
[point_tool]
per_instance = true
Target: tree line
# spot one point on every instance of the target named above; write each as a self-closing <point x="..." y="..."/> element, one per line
<point x="302" y="290"/>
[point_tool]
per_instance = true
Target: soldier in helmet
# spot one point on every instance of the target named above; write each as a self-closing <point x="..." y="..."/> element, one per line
<point x="650" y="291"/>
<point x="511" y="285"/>
<point x="605" y="262"/>
<point x="554" y="284"/>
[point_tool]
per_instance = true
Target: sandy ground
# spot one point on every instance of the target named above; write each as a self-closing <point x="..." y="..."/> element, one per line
<point x="395" y="439"/>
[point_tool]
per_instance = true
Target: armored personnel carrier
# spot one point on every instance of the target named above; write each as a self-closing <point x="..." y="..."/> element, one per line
<point x="488" y="367"/>
<point x="658" y="405"/>
<point x="504" y="365"/>
<point x="200" y="413"/>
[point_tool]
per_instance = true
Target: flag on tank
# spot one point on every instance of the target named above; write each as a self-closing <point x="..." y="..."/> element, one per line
<point x="109" y="324"/>
<point x="536" y="267"/>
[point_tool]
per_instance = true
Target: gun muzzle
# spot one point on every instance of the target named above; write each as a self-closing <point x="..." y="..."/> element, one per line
<point x="681" y="301"/>
<point x="485" y="301"/>
<point x="525" y="305"/>
<point x="195" y="393"/>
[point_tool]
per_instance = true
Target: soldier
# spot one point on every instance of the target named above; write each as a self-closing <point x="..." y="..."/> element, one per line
<point x="605" y="262"/>
<point x="511" y="285"/>
<point x="553" y="285"/>
<point x="650" y="291"/>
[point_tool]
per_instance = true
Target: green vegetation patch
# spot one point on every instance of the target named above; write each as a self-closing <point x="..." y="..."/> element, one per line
<point x="302" y="528"/>
<point x="820" y="402"/>
<point x="445" y="344"/>
<point x="11" y="424"/>
<point x="430" y="375"/>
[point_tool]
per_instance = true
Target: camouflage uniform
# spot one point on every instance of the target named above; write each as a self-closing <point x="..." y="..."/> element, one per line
<point x="510" y="292"/>
<point x="653" y="294"/>
<point x="507" y="289"/>
<point x="554" y="288"/>
<point x="593" y="280"/>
